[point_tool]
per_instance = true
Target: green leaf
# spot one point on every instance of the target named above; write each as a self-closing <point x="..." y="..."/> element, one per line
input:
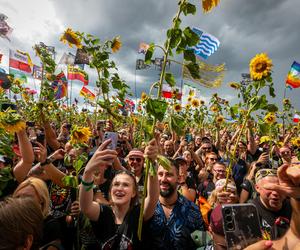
<point x="164" y="162"/>
<point x="170" y="79"/>
<point x="234" y="111"/>
<point x="272" y="108"/>
<point x="105" y="73"/>
<point x="156" y="108"/>
<point x="264" y="128"/>
<point x="188" y="8"/>
<point x="272" y="91"/>
<point x="175" y="37"/>
<point x="191" y="37"/>
<point x="149" y="54"/>
<point x="95" y="41"/>
<point x="104" y="87"/>
<point x="193" y="69"/>
<point x="69" y="181"/>
<point x="189" y="55"/>
<point x="177" y="123"/>
<point x="177" y="23"/>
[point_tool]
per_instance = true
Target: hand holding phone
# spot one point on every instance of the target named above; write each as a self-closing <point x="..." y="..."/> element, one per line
<point x="241" y="225"/>
<point x="113" y="136"/>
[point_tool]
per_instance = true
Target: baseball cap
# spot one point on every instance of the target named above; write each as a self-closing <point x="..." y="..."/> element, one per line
<point x="178" y="159"/>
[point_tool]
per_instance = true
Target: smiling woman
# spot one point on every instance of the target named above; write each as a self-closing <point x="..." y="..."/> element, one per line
<point x="116" y="226"/>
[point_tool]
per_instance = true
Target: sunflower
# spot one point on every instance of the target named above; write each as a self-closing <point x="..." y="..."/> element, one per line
<point x="166" y="126"/>
<point x="144" y="97"/>
<point x="264" y="139"/>
<point x="187" y="106"/>
<point x="270" y="118"/>
<point x="296" y="141"/>
<point x="11" y="121"/>
<point x="116" y="44"/>
<point x="177" y="107"/>
<point x="80" y="135"/>
<point x="220" y="119"/>
<point x="260" y="66"/>
<point x="208" y="5"/>
<point x="214" y="108"/>
<point x="195" y="103"/>
<point x="234" y="85"/>
<point x="286" y="101"/>
<point x="190" y="98"/>
<point x="72" y="38"/>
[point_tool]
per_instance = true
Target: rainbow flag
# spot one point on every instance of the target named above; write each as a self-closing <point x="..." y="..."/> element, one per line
<point x="78" y="74"/>
<point x="60" y="86"/>
<point x="86" y="93"/>
<point x="293" y="77"/>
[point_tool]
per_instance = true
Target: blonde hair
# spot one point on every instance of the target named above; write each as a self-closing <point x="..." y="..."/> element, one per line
<point x="41" y="191"/>
<point x="213" y="198"/>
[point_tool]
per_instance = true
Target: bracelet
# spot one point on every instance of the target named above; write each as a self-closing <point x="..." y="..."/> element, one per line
<point x="87" y="184"/>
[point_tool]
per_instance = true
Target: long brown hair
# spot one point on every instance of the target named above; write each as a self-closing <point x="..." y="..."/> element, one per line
<point x="20" y="218"/>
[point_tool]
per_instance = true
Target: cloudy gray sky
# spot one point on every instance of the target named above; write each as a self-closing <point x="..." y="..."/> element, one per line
<point x="243" y="27"/>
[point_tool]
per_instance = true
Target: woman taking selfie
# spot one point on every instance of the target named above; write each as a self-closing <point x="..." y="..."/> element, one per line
<point x="115" y="226"/>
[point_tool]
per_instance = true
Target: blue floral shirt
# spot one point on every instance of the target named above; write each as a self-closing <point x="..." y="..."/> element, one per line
<point x="175" y="232"/>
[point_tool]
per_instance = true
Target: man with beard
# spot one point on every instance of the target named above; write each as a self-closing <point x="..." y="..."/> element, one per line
<point x="175" y="217"/>
<point x="273" y="208"/>
<point x="169" y="148"/>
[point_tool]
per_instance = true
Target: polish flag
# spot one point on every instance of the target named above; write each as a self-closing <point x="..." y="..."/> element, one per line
<point x="296" y="118"/>
<point x="167" y="92"/>
<point x="19" y="62"/>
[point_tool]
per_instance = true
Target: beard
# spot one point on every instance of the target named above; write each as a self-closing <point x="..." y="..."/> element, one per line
<point x="167" y="193"/>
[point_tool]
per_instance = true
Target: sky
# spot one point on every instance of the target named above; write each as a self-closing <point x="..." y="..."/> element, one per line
<point x="244" y="28"/>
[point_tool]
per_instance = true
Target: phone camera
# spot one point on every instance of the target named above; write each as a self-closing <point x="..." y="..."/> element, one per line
<point x="227" y="211"/>
<point x="230" y="226"/>
<point x="228" y="218"/>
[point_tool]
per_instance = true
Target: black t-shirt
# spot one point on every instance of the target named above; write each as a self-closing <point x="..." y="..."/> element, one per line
<point x="117" y="237"/>
<point x="51" y="230"/>
<point x="274" y="223"/>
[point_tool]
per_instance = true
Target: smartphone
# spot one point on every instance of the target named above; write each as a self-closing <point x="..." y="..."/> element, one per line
<point x="40" y="138"/>
<point x="114" y="139"/>
<point x="188" y="137"/>
<point x="241" y="225"/>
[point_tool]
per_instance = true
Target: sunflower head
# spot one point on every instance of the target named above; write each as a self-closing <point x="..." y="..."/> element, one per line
<point x="195" y="103"/>
<point x="220" y="119"/>
<point x="264" y="139"/>
<point x="214" y="108"/>
<point x="80" y="135"/>
<point x="11" y="121"/>
<point x="72" y="38"/>
<point x="187" y="106"/>
<point x="144" y="97"/>
<point x="286" y="101"/>
<point x="260" y="66"/>
<point x="296" y="141"/>
<point x="166" y="126"/>
<point x="191" y="92"/>
<point x="270" y="118"/>
<point x="116" y="44"/>
<point x="190" y="98"/>
<point x="234" y="85"/>
<point x="177" y="107"/>
<point x="208" y="5"/>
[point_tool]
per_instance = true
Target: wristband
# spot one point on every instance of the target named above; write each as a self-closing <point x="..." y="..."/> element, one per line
<point x="87" y="184"/>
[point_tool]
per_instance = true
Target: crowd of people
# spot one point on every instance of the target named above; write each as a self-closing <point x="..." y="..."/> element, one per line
<point x="183" y="204"/>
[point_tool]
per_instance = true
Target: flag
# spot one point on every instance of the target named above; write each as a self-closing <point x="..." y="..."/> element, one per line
<point x="168" y="92"/>
<point x="67" y="59"/>
<point x="207" y="45"/>
<point x="129" y="105"/>
<point x="211" y="76"/>
<point x="143" y="47"/>
<point x="5" y="29"/>
<point x="81" y="57"/>
<point x="60" y="86"/>
<point x="140" y="64"/>
<point x="19" y="64"/>
<point x="78" y="74"/>
<point x="86" y="93"/>
<point x="293" y="77"/>
<point x="296" y="118"/>
<point x="37" y="72"/>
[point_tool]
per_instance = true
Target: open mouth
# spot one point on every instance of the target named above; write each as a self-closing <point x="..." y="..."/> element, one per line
<point x="120" y="194"/>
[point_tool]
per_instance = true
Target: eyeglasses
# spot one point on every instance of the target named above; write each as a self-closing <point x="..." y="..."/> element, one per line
<point x="220" y="171"/>
<point x="285" y="152"/>
<point x="135" y="159"/>
<point x="213" y="159"/>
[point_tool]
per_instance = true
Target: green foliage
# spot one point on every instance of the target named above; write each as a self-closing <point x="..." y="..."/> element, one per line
<point x="157" y="108"/>
<point x="170" y="79"/>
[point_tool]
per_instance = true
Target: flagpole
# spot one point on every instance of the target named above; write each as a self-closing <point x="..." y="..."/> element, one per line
<point x="283" y="118"/>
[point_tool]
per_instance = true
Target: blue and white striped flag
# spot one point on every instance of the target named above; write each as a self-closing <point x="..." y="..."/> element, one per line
<point x="207" y="45"/>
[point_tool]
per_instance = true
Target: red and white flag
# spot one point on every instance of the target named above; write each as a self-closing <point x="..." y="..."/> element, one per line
<point x="19" y="61"/>
<point x="296" y="118"/>
<point x="168" y="92"/>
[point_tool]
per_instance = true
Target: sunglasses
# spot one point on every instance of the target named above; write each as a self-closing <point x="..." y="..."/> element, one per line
<point x="213" y="159"/>
<point x="135" y="159"/>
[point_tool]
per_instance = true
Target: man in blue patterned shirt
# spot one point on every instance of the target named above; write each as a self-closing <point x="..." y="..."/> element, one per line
<point x="175" y="217"/>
